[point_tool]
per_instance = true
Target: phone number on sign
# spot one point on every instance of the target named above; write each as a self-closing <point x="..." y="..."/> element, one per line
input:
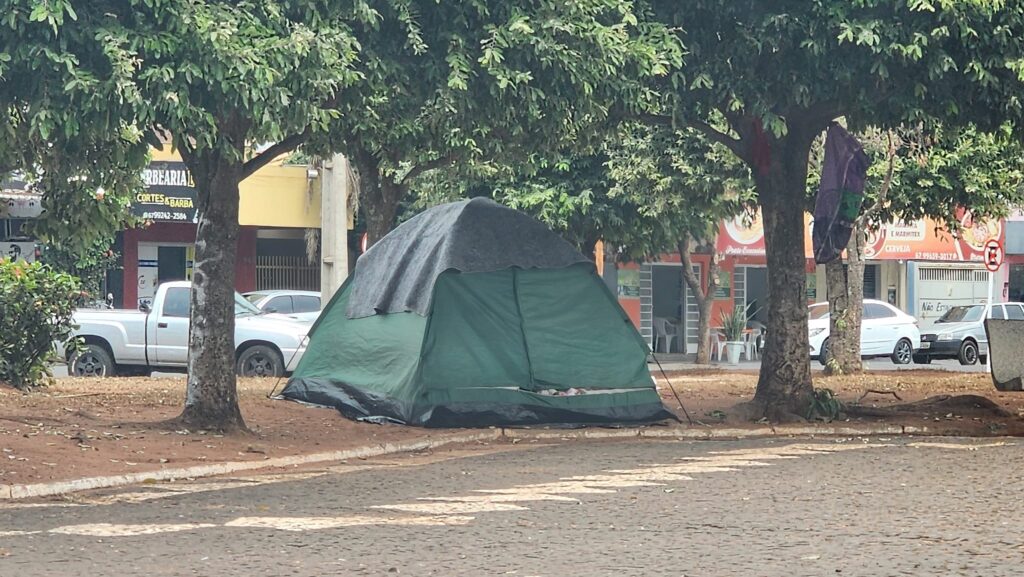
<point x="164" y="215"/>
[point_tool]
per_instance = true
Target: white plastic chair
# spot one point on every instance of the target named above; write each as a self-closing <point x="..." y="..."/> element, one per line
<point x="662" y="335"/>
<point x="717" y="345"/>
<point x="750" y="341"/>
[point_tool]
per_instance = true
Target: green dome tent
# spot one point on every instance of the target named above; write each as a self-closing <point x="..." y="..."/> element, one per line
<point x="474" y="314"/>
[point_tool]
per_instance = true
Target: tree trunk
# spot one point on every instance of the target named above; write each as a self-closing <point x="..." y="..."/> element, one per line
<point x="845" y="285"/>
<point x="589" y="249"/>
<point x="784" y="385"/>
<point x="379" y="196"/>
<point x="704" y="330"/>
<point x="212" y="399"/>
<point x="705" y="298"/>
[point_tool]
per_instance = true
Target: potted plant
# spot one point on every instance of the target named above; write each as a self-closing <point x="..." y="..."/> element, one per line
<point x="733" y="325"/>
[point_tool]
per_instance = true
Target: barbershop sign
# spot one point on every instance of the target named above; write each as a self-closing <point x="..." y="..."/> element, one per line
<point x="169" y="194"/>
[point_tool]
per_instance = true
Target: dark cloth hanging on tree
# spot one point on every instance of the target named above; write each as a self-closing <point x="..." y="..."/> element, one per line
<point x="840" y="194"/>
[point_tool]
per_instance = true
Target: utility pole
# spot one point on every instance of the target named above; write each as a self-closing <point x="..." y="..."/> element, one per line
<point x="334" y="191"/>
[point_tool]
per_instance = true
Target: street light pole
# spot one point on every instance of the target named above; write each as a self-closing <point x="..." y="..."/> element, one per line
<point x="334" y="192"/>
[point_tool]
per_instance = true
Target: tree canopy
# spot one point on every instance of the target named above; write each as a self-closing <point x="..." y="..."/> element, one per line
<point x="400" y="86"/>
<point x="570" y="193"/>
<point x="230" y="84"/>
<point x="448" y="83"/>
<point x="404" y="86"/>
<point x="682" y="183"/>
<point x="766" y="78"/>
<point x="68" y="123"/>
<point x="943" y="173"/>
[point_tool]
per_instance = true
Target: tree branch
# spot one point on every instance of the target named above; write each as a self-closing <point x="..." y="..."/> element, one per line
<point x="691" y="279"/>
<point x="367" y="168"/>
<point x="184" y="150"/>
<point x="733" y="144"/>
<point x="655" y="119"/>
<point x="886" y="185"/>
<point x="426" y="166"/>
<point x="262" y="159"/>
<point x="160" y="136"/>
<point x="822" y="112"/>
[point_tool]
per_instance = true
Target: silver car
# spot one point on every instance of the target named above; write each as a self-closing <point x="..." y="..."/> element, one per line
<point x="302" y="305"/>
<point x="960" y="332"/>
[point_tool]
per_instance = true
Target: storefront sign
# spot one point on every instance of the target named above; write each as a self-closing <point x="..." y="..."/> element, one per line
<point x="744" y="236"/>
<point x="812" y="287"/>
<point x="930" y="241"/>
<point x="169" y="196"/>
<point x="20" y="204"/>
<point x="629" y="283"/>
<point x="25" y="251"/>
<point x="925" y="240"/>
<point x="724" y="289"/>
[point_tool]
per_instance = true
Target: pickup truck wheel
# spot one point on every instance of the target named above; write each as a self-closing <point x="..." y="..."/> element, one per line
<point x="92" y="361"/>
<point x="260" y="361"/>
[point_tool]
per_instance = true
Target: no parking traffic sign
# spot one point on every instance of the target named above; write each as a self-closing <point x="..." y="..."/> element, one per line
<point x="993" y="255"/>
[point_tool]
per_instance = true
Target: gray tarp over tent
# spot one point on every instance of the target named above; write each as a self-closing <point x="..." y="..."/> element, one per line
<point x="475" y="314"/>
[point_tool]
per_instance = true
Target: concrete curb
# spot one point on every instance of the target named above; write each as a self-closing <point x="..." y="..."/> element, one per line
<point x="9" y="492"/>
<point x="694" y="433"/>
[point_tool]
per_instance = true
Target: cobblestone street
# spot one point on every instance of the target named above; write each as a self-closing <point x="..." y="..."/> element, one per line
<point x="879" y="507"/>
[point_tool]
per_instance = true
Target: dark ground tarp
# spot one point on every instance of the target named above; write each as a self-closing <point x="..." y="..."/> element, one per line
<point x="477" y="235"/>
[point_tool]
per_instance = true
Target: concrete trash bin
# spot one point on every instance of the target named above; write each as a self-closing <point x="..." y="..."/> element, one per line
<point x="1006" y="353"/>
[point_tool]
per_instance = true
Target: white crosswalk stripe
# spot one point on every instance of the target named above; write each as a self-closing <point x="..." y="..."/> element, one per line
<point x="459" y="509"/>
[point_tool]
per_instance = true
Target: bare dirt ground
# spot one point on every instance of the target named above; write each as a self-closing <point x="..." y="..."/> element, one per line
<point x="89" y="427"/>
<point x="710" y="396"/>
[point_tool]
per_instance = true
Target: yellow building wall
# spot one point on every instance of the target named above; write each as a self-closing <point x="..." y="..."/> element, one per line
<point x="278" y="195"/>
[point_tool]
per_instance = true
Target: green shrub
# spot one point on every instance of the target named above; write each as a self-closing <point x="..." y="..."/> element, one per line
<point x="36" y="304"/>
<point x="824" y="406"/>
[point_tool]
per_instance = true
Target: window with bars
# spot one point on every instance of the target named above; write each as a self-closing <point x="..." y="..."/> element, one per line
<point x="952" y="274"/>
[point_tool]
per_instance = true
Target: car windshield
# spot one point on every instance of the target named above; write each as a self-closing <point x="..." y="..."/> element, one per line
<point x="817" y="311"/>
<point x="244" y="307"/>
<point x="963" y="314"/>
<point x="253" y="297"/>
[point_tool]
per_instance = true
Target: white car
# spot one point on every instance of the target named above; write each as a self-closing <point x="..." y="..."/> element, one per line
<point x="301" y="305"/>
<point x="885" y="331"/>
<point x="960" y="332"/>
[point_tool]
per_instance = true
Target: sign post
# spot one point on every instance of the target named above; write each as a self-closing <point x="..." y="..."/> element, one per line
<point x="993" y="260"/>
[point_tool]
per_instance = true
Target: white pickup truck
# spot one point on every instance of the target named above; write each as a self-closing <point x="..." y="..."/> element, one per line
<point x="137" y="342"/>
